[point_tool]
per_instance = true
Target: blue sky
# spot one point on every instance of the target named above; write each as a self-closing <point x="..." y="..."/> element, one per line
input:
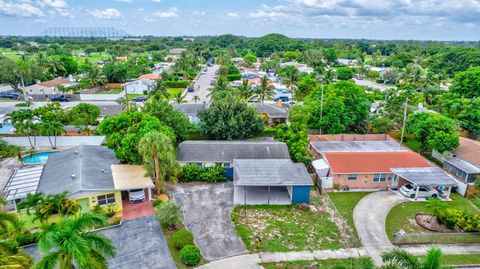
<point x="373" y="19"/>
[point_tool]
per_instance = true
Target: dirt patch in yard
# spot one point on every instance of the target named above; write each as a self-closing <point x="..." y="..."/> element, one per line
<point x="430" y="223"/>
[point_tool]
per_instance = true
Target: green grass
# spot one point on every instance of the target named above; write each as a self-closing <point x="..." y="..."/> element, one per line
<point x="345" y="202"/>
<point x="174" y="251"/>
<point x="174" y="91"/>
<point x="358" y="263"/>
<point x="27" y="221"/>
<point x="285" y="228"/>
<point x="475" y="201"/>
<point x="460" y="259"/>
<point x="133" y="95"/>
<point x="112" y="91"/>
<point x="413" y="144"/>
<point x="402" y="216"/>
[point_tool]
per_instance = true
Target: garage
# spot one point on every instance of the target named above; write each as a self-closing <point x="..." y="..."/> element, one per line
<point x="271" y="182"/>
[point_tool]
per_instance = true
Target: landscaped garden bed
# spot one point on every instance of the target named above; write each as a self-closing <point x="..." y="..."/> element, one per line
<point x="357" y="263"/>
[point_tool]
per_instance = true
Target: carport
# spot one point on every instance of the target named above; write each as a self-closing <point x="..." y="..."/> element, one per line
<point x="129" y="177"/>
<point x="270" y="182"/>
<point x="426" y="176"/>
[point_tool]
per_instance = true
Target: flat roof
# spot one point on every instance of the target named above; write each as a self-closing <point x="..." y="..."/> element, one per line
<point x="463" y="165"/>
<point x="356" y="146"/>
<point x="270" y="173"/>
<point x="22" y="182"/>
<point x="128" y="177"/>
<point x="424" y="176"/>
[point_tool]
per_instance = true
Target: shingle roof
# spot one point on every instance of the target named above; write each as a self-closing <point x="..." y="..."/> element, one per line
<point x="272" y="110"/>
<point x="270" y="173"/>
<point x="189" y="109"/>
<point x="226" y="151"/>
<point x="469" y="150"/>
<point x="110" y="110"/>
<point x="356" y="146"/>
<point x="371" y="162"/>
<point x="90" y="166"/>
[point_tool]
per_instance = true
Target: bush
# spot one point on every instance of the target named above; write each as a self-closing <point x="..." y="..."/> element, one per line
<point x="462" y="219"/>
<point x="190" y="255"/>
<point x="169" y="214"/>
<point x="233" y="77"/>
<point x="182" y="238"/>
<point x="177" y="84"/>
<point x="193" y="172"/>
<point x="7" y="151"/>
<point x="110" y="210"/>
<point x="27" y="238"/>
<point x="156" y="202"/>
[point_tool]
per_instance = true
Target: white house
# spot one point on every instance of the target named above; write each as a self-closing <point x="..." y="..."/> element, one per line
<point x="139" y="86"/>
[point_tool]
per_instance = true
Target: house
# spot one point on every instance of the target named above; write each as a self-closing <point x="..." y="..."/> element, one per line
<point x="139" y="86"/>
<point x="150" y="76"/>
<point x="272" y="113"/>
<point x="209" y="153"/>
<point x="90" y="175"/>
<point x="175" y="53"/>
<point x="358" y="163"/>
<point x="349" y="62"/>
<point x="464" y="161"/>
<point x="189" y="110"/>
<point x="270" y="181"/>
<point x="51" y="86"/>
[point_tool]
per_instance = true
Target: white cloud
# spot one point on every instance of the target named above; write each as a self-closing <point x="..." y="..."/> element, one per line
<point x="25" y="10"/>
<point x="59" y="7"/>
<point x="232" y="14"/>
<point x="201" y="13"/>
<point x="169" y="13"/>
<point x="106" y="14"/>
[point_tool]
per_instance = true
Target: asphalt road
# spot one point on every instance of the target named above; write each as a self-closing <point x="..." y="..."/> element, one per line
<point x="202" y="86"/>
<point x="374" y="85"/>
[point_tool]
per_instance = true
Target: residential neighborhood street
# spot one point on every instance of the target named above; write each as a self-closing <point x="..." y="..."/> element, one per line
<point x="202" y="86"/>
<point x="370" y="84"/>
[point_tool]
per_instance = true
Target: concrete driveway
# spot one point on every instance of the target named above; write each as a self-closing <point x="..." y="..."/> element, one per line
<point x="202" y="85"/>
<point x="206" y="213"/>
<point x="140" y="244"/>
<point x="369" y="217"/>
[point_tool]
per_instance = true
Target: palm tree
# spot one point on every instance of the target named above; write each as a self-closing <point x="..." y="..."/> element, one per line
<point x="196" y="98"/>
<point x="222" y="85"/>
<point x="95" y="77"/>
<point x="179" y="97"/>
<point x="8" y="221"/>
<point x="71" y="243"/>
<point x="46" y="206"/>
<point x="160" y="90"/>
<point x="13" y="257"/>
<point x="159" y="158"/>
<point x="290" y="76"/>
<point x="245" y="91"/>
<point x="51" y="128"/>
<point x="401" y="259"/>
<point x="223" y="58"/>
<point x="435" y="206"/>
<point x="265" y="90"/>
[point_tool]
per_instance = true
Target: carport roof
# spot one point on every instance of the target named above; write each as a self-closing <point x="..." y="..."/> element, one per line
<point x="424" y="176"/>
<point x="270" y="173"/>
<point x="128" y="177"/>
<point x="463" y="165"/>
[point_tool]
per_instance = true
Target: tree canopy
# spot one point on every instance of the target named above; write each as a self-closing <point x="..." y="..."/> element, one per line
<point x="467" y="83"/>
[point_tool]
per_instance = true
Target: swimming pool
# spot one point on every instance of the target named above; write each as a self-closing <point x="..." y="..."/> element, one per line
<point x="6" y="128"/>
<point x="40" y="157"/>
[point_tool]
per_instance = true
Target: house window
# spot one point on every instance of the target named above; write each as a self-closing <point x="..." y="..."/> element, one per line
<point x="352" y="176"/>
<point x="379" y="177"/>
<point x="199" y="164"/>
<point x="106" y="199"/>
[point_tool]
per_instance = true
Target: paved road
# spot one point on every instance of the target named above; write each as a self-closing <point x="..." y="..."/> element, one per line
<point x="63" y="104"/>
<point x="202" y="85"/>
<point x="371" y="84"/>
<point x="207" y="209"/>
<point x="369" y="217"/>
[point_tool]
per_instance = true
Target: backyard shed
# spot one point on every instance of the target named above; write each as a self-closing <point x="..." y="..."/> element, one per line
<point x="270" y="181"/>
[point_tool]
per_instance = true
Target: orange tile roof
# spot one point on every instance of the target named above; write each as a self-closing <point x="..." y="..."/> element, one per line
<point x="54" y="83"/>
<point x="149" y="76"/>
<point x="371" y="162"/>
<point x="469" y="150"/>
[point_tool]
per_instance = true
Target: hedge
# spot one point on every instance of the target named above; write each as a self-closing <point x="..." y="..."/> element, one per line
<point x="190" y="255"/>
<point x="177" y="84"/>
<point x="193" y="172"/>
<point x="466" y="221"/>
<point x="234" y="77"/>
<point x="182" y="238"/>
<point x="27" y="238"/>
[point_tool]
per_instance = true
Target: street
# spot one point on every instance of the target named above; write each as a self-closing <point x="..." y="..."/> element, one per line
<point x="370" y="84"/>
<point x="202" y="85"/>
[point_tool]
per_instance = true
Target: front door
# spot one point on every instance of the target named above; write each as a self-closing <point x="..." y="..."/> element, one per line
<point x="84" y="204"/>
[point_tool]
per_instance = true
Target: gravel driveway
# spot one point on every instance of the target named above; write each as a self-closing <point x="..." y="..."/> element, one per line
<point x="207" y="209"/>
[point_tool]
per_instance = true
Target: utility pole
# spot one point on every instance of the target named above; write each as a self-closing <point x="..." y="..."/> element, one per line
<point x="321" y="108"/>
<point x="404" y="120"/>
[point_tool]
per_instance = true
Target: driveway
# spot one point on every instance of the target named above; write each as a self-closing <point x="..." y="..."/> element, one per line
<point x="202" y="85"/>
<point x="140" y="244"/>
<point x="206" y="213"/>
<point x="369" y="217"/>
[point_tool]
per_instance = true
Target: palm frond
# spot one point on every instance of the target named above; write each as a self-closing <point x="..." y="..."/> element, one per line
<point x="402" y="258"/>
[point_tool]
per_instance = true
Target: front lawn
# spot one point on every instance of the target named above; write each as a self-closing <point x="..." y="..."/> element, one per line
<point x="358" y="263"/>
<point x="112" y="91"/>
<point x="272" y="228"/>
<point x="345" y="202"/>
<point x="460" y="259"/>
<point x="402" y="216"/>
<point x="174" y="91"/>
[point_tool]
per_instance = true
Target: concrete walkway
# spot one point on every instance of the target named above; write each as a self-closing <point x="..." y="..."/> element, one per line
<point x="369" y="217"/>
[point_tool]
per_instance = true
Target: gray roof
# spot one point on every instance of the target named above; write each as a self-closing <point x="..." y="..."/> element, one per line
<point x="226" y="151"/>
<point x="425" y="176"/>
<point x="270" y="173"/>
<point x="90" y="166"/>
<point x="272" y="110"/>
<point x="110" y="110"/>
<point x="7" y="110"/>
<point x="189" y="109"/>
<point x="356" y="146"/>
<point x="463" y="165"/>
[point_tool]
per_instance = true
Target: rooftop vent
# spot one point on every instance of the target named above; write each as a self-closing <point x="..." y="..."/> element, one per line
<point x="73" y="176"/>
<point x="76" y="152"/>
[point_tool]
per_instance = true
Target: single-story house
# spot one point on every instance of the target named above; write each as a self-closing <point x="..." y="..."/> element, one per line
<point x="464" y="161"/>
<point x="270" y="181"/>
<point x="273" y="113"/>
<point x="150" y="76"/>
<point x="189" y="110"/>
<point x="210" y="152"/>
<point x="139" y="86"/>
<point x="51" y="86"/>
<point x="109" y="110"/>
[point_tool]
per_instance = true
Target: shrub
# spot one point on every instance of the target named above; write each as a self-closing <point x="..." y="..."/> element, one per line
<point x="156" y="202"/>
<point x="233" y="77"/>
<point x="110" y="210"/>
<point x="27" y="238"/>
<point x="169" y="214"/>
<point x="190" y="255"/>
<point x="177" y="84"/>
<point x="193" y="172"/>
<point x="182" y="238"/>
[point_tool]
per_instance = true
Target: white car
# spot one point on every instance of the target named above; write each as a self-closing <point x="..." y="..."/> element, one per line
<point x="408" y="190"/>
<point x="136" y="195"/>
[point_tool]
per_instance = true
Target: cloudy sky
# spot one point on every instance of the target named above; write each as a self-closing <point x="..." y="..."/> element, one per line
<point x="373" y="19"/>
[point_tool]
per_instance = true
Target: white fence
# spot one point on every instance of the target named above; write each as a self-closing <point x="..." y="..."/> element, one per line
<point x="101" y="97"/>
<point x="462" y="188"/>
<point x="62" y="141"/>
<point x="327" y="182"/>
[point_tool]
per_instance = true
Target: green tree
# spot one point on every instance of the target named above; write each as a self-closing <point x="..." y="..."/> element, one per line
<point x="467" y="83"/>
<point x="344" y="73"/>
<point x="306" y="84"/>
<point x="264" y="89"/>
<point x="245" y="91"/>
<point x="159" y="158"/>
<point x="290" y="76"/>
<point x="249" y="59"/>
<point x="44" y="207"/>
<point x="180" y="97"/>
<point x="330" y="55"/>
<point x="71" y="243"/>
<point x="169" y="214"/>
<point x="160" y="90"/>
<point x="168" y="116"/>
<point x="83" y="115"/>
<point x="8" y="221"/>
<point x="381" y="125"/>
<point x="9" y="73"/>
<point x="291" y="55"/>
<point x="230" y="118"/>
<point x="26" y="123"/>
<point x="13" y="257"/>
<point x="51" y="128"/>
<point x="401" y="259"/>
<point x="115" y="72"/>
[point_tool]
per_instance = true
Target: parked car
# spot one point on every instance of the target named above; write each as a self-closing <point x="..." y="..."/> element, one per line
<point x="213" y="82"/>
<point x="136" y="195"/>
<point x="9" y="95"/>
<point x="190" y="88"/>
<point x="140" y="99"/>
<point x="60" y="98"/>
<point x="408" y="190"/>
<point x="282" y="98"/>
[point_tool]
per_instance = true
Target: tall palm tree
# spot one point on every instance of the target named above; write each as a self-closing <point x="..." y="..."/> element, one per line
<point x="435" y="206"/>
<point x="290" y="76"/>
<point x="196" y="98"/>
<point x="265" y="90"/>
<point x="402" y="259"/>
<point x="71" y="243"/>
<point x="159" y="90"/>
<point x="95" y="77"/>
<point x="51" y="128"/>
<point x="223" y="58"/>
<point x="222" y="85"/>
<point x="245" y="91"/>
<point x="13" y="257"/>
<point x="8" y="221"/>
<point x="159" y="158"/>
<point x="179" y="97"/>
